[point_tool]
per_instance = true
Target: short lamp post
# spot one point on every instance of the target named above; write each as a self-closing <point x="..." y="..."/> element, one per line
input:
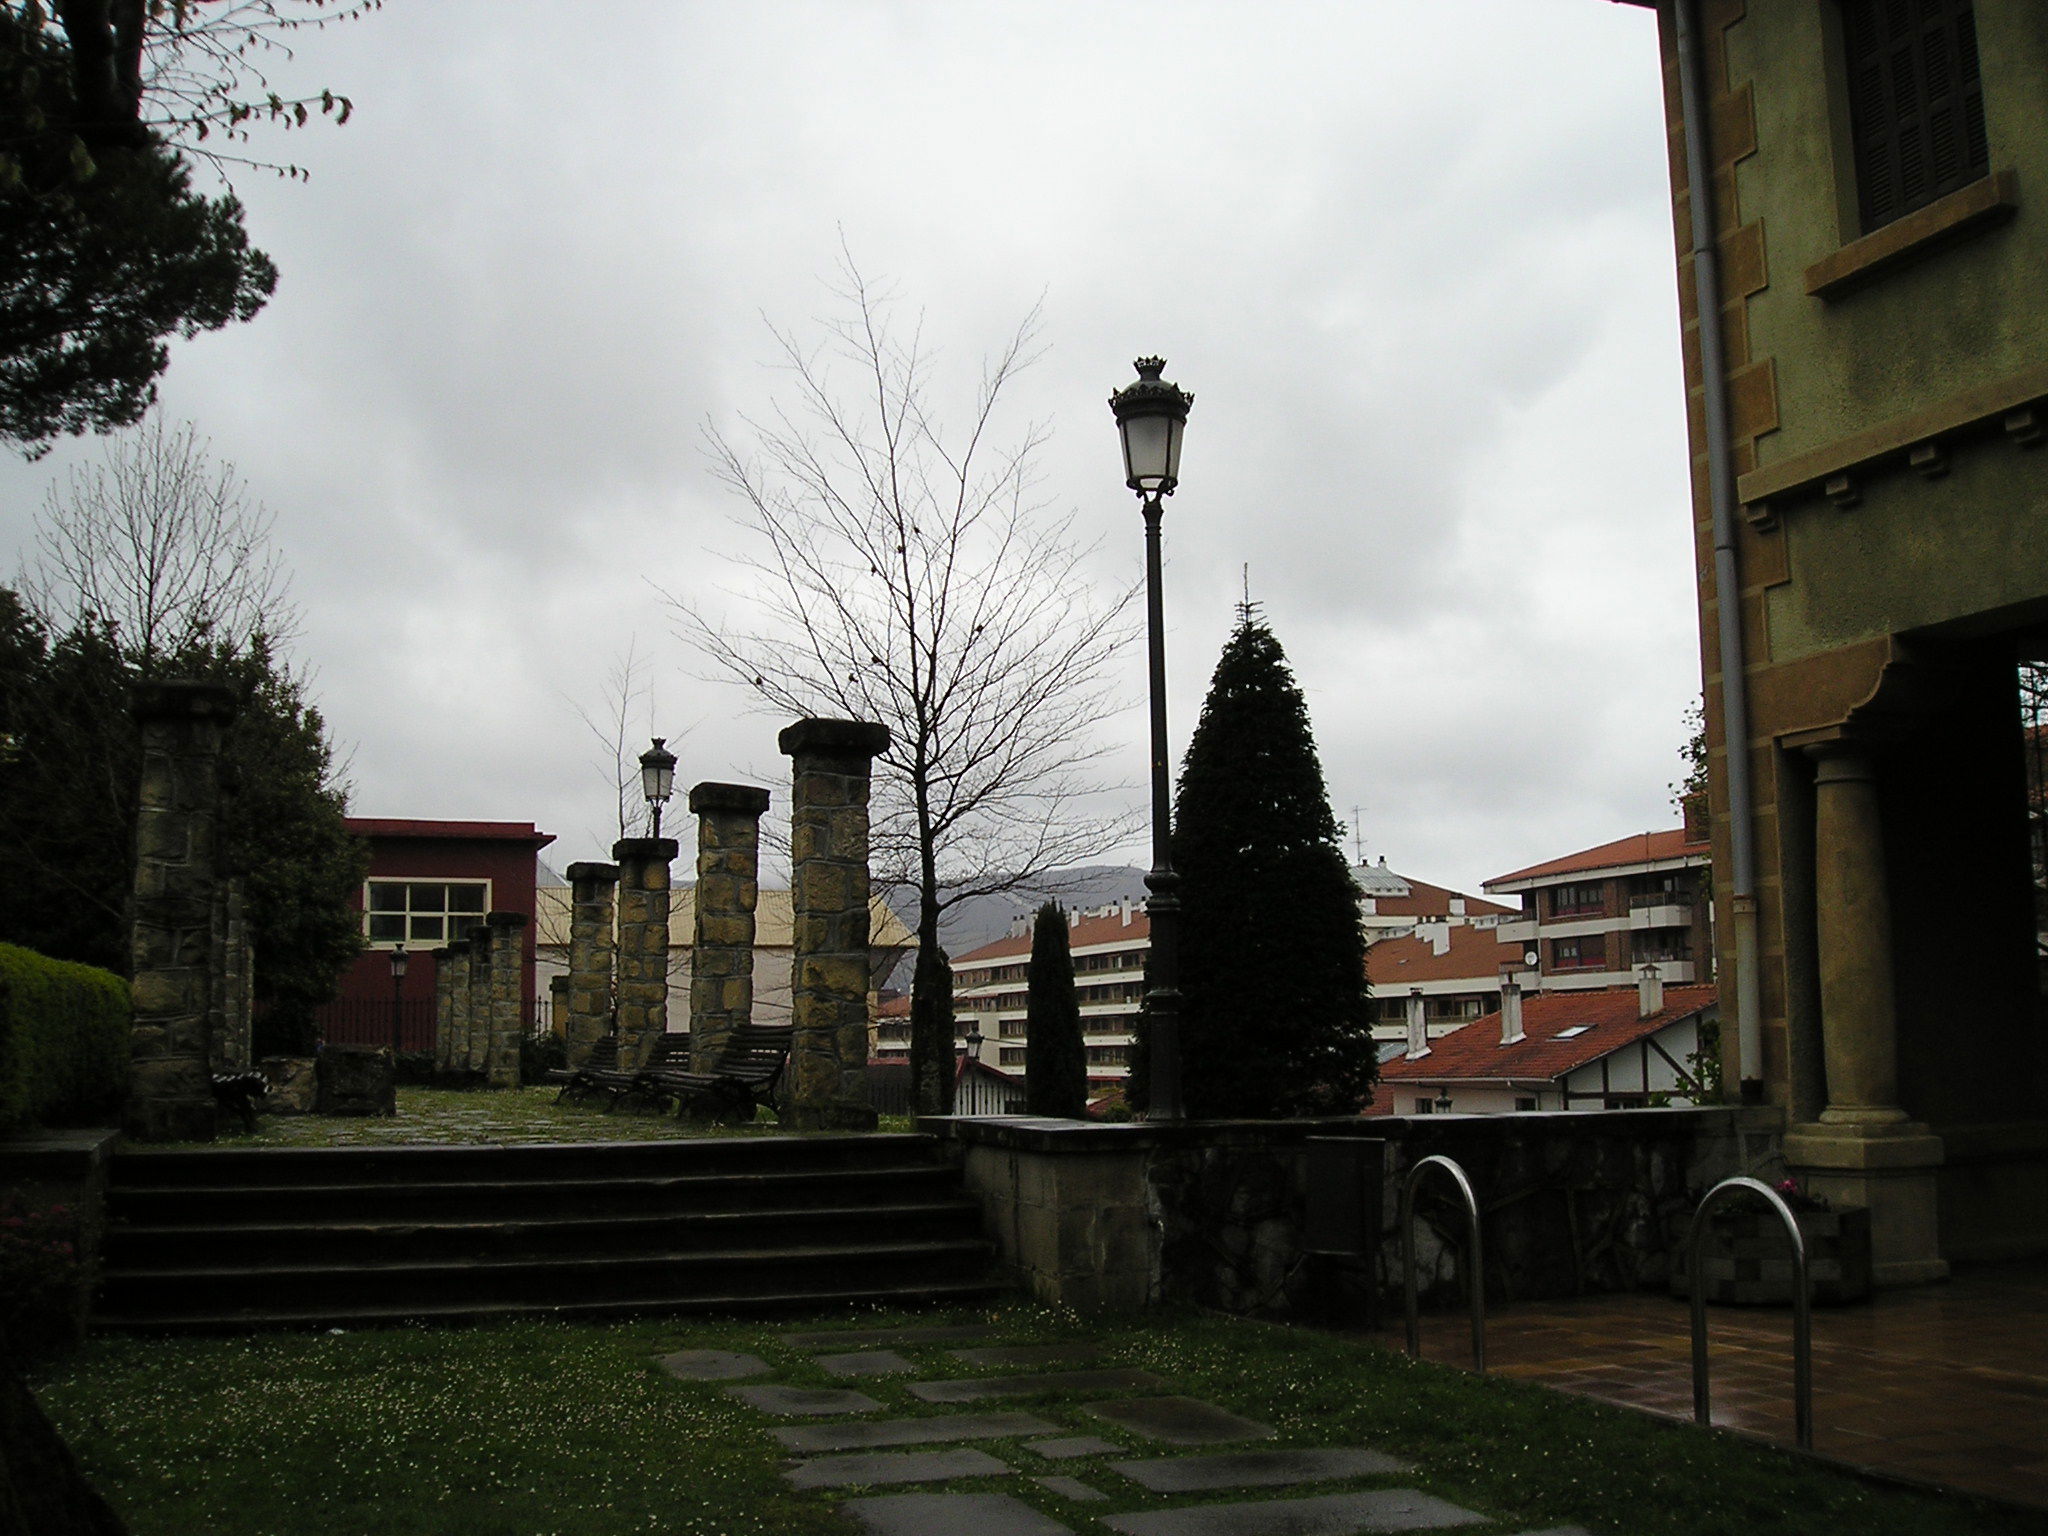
<point x="398" y="961"/>
<point x="1150" y="416"/>
<point x="1443" y="1101"/>
<point x="657" y="780"/>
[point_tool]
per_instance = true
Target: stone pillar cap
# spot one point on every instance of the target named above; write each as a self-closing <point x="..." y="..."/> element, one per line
<point x="750" y="799"/>
<point x="510" y="921"/>
<point x="185" y="698"/>
<point x="840" y="738"/>
<point x="590" y="870"/>
<point x="660" y="850"/>
<point x="441" y="954"/>
<point x="479" y="938"/>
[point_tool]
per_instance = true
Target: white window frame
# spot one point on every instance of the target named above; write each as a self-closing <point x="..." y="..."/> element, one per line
<point x="409" y="881"/>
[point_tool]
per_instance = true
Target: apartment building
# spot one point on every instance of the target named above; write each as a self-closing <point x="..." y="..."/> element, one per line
<point x="1109" y="945"/>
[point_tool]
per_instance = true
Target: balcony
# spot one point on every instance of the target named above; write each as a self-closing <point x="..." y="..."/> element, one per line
<point x="1658" y="911"/>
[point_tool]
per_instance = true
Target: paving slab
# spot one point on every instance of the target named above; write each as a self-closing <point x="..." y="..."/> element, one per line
<point x="1180" y="1420"/>
<point x="1033" y="1356"/>
<point x="711" y="1365"/>
<point x="879" y="1468"/>
<point x="877" y="1433"/>
<point x="811" y="1401"/>
<point x="886" y="1338"/>
<point x="1329" y="1514"/>
<point x="951" y="1514"/>
<point x="1071" y="1488"/>
<point x="972" y="1389"/>
<point x="866" y="1362"/>
<point x="1067" y="1447"/>
<point x="1258" y="1469"/>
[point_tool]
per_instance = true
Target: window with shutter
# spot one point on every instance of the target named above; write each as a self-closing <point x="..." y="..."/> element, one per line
<point x="1916" y="109"/>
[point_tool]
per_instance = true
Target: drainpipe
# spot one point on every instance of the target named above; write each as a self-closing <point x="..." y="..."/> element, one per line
<point x="1706" y="266"/>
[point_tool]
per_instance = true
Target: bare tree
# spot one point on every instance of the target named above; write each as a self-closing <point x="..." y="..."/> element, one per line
<point x="164" y="544"/>
<point x="624" y="705"/>
<point x="908" y="575"/>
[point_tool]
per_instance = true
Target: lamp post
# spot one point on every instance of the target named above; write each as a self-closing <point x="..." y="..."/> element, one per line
<point x="1150" y="417"/>
<point x="657" y="779"/>
<point x="397" y="999"/>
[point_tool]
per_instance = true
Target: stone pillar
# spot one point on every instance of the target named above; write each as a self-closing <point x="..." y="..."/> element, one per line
<point x="590" y="959"/>
<point x="237" y="1045"/>
<point x="444" y="1006"/>
<point x="722" y="938"/>
<point x="170" y="1095"/>
<point x="643" y="945"/>
<point x="507" y="1016"/>
<point x="476" y="1024"/>
<point x="456" y="1056"/>
<point x="830" y="761"/>
<point x="1864" y="1150"/>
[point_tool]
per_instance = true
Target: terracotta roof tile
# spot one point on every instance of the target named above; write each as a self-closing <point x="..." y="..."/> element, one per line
<point x="1426" y="900"/>
<point x="1086" y="934"/>
<point x="1475" y="1054"/>
<point x="1394" y="965"/>
<point x="1642" y="848"/>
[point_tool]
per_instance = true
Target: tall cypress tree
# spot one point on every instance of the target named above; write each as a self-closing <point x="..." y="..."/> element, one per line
<point x="1055" y="1061"/>
<point x="1275" y="1019"/>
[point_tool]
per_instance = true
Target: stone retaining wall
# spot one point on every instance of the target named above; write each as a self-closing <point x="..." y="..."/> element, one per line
<point x="1218" y="1213"/>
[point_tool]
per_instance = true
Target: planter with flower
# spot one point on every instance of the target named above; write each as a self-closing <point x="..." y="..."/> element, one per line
<point x="1747" y="1255"/>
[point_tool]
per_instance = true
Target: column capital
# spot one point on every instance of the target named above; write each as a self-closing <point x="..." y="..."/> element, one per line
<point x="646" y="850"/>
<point x="746" y="799"/>
<point x="185" y="699"/>
<point x="833" y="738"/>
<point x="510" y="922"/>
<point x="588" y="872"/>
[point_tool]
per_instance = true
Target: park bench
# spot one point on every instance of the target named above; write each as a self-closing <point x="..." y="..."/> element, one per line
<point x="604" y="1057"/>
<point x="744" y="1078"/>
<point x="624" y="1086"/>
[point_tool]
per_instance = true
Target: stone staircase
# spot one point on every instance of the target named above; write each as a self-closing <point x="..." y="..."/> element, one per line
<point x="223" y="1241"/>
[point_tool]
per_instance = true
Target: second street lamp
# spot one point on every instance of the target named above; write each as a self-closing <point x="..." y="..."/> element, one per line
<point x="397" y="1000"/>
<point x="1150" y="417"/>
<point x="657" y="780"/>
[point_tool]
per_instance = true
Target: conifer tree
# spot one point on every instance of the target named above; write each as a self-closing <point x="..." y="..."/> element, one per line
<point x="1055" y="1061"/>
<point x="1274" y="1020"/>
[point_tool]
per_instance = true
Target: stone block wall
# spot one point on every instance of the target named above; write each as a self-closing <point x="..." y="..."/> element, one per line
<point x="1215" y="1213"/>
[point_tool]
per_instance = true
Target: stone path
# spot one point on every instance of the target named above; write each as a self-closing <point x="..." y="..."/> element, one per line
<point x="860" y="1450"/>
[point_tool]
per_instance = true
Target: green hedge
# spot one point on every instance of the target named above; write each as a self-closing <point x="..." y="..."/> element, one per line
<point x="63" y="1040"/>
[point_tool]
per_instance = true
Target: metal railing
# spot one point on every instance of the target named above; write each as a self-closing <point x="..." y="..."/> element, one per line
<point x="1475" y="1269"/>
<point x="1802" y="1307"/>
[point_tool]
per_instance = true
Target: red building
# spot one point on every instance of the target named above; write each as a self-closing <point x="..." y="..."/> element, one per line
<point x="430" y="882"/>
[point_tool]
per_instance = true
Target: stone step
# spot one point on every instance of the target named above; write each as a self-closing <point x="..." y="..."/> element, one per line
<point x="408" y="1237"/>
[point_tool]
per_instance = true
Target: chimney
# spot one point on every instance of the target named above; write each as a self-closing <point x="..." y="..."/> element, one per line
<point x="1127" y="911"/>
<point x="1418" y="1027"/>
<point x="1510" y="1005"/>
<point x="1440" y="938"/>
<point x="1457" y="906"/>
<point x="1649" y="992"/>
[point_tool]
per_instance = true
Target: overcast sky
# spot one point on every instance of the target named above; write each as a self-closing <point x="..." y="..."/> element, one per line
<point x="1414" y="259"/>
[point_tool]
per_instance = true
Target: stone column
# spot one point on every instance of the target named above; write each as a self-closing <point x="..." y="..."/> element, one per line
<point x="453" y="1056"/>
<point x="443" y="1006"/>
<point x="170" y="1095"/>
<point x="476" y="1024"/>
<point x="830" y="761"/>
<point x="507" y="1015"/>
<point x="590" y="960"/>
<point x="1864" y="1150"/>
<point x="643" y="945"/>
<point x="722" y="938"/>
<point x="236" y="1048"/>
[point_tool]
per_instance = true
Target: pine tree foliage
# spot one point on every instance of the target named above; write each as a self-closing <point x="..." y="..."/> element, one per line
<point x="1055" y="1061"/>
<point x="1275" y="1019"/>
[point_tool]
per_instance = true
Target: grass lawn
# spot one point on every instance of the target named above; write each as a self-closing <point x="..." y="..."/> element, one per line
<point x="541" y="1429"/>
<point x="482" y="1116"/>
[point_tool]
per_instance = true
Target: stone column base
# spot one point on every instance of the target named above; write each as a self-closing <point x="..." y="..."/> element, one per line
<point x="828" y="1117"/>
<point x="1889" y="1169"/>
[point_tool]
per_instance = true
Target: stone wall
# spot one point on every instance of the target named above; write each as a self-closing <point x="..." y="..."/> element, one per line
<point x="1217" y="1213"/>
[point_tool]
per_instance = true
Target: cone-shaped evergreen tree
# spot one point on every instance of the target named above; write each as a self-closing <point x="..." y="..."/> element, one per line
<point x="1055" y="1061"/>
<point x="1274" y="1020"/>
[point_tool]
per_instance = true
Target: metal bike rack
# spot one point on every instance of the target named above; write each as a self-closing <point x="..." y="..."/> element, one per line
<point x="1802" y="1308"/>
<point x="1475" y="1274"/>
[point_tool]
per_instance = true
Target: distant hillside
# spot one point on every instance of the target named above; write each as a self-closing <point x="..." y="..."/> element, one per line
<point x="980" y="920"/>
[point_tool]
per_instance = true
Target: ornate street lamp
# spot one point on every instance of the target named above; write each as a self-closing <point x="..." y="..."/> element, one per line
<point x="1150" y="417"/>
<point x="657" y="779"/>
<point x="398" y="961"/>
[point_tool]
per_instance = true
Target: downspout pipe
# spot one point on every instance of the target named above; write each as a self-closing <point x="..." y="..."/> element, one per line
<point x="1706" y="267"/>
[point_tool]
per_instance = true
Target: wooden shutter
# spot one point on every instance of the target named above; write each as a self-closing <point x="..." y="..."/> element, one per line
<point x="1916" y="108"/>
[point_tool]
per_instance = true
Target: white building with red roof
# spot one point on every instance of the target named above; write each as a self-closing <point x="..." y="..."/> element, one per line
<point x="1625" y="1048"/>
<point x="1109" y="945"/>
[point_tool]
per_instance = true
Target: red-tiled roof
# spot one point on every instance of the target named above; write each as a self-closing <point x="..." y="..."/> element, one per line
<point x="1475" y="1054"/>
<point x="1426" y="900"/>
<point x="1087" y="933"/>
<point x="893" y="1007"/>
<point x="1643" y="848"/>
<point x="1394" y="965"/>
